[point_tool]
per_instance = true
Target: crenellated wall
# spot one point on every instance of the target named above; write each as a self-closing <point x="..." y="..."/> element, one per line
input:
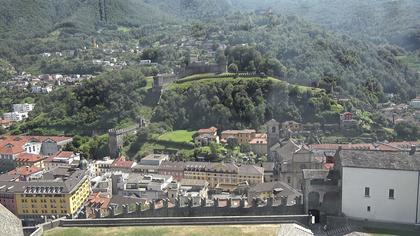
<point x="242" y="207"/>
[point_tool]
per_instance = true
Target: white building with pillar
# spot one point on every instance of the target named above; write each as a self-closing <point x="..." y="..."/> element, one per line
<point x="381" y="186"/>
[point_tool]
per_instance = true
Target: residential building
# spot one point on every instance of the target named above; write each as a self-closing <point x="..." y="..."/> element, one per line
<point x="191" y="188"/>
<point x="102" y="183"/>
<point x="11" y="146"/>
<point x="206" y="136"/>
<point x="98" y="202"/>
<point x="62" y="159"/>
<point x="57" y="193"/>
<point x="25" y="107"/>
<point x="102" y="166"/>
<point x="149" y="187"/>
<point x="15" y="116"/>
<point x="121" y="164"/>
<point x="29" y="159"/>
<point x="26" y="173"/>
<point x="172" y="168"/>
<point x="415" y="103"/>
<point x="238" y="136"/>
<point x="154" y="159"/>
<point x="348" y="122"/>
<point x="150" y="164"/>
<point x="275" y="190"/>
<point x="258" y="144"/>
<point x="227" y="174"/>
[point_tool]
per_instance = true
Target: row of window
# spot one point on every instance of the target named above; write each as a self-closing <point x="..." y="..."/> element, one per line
<point x="391" y="193"/>
<point x="43" y="211"/>
<point x="45" y="200"/>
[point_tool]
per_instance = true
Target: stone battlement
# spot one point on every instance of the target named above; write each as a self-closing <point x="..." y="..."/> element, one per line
<point x="201" y="208"/>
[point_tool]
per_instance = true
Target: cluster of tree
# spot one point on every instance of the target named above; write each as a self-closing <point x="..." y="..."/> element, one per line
<point x="94" y="107"/>
<point x="95" y="147"/>
<point x="242" y="103"/>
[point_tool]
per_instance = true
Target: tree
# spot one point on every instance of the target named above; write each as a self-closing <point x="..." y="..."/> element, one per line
<point x="407" y="131"/>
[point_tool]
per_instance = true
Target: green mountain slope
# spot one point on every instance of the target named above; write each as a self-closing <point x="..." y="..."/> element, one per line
<point x="397" y="21"/>
<point x="28" y="18"/>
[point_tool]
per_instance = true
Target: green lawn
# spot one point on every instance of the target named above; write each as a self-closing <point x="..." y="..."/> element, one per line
<point x="178" y="136"/>
<point x="123" y="29"/>
<point x="149" y="84"/>
<point x="240" y="230"/>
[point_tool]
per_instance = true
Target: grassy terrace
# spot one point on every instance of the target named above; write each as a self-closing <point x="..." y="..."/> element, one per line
<point x="242" y="230"/>
<point x="178" y="139"/>
<point x="177" y="136"/>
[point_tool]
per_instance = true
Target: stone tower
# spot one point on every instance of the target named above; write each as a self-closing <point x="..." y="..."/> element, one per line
<point x="273" y="134"/>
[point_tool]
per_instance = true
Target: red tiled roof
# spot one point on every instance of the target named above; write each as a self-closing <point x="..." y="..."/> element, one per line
<point x="122" y="163"/>
<point x="28" y="157"/>
<point x="97" y="199"/>
<point x="209" y="130"/>
<point x="13" y="144"/>
<point x="258" y="141"/>
<point x="25" y="170"/>
<point x="12" y="149"/>
<point x="65" y="154"/>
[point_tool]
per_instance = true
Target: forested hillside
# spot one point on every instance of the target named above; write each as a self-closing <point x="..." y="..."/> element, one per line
<point x="29" y="18"/>
<point x="98" y="105"/>
<point x="303" y="53"/>
<point x="396" y="21"/>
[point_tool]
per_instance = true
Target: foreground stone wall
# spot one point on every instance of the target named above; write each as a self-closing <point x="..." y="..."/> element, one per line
<point x="10" y="225"/>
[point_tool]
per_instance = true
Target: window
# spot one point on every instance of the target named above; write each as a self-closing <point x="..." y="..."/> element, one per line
<point x="367" y="192"/>
<point x="368" y="208"/>
<point x="391" y="193"/>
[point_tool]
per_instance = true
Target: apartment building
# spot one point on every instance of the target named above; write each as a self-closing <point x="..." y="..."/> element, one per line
<point x="56" y="193"/>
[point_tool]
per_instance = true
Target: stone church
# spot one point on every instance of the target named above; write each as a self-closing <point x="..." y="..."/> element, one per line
<point x="289" y="156"/>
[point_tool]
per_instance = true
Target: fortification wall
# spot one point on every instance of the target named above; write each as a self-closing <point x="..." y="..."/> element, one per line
<point x="116" y="138"/>
<point x="164" y="208"/>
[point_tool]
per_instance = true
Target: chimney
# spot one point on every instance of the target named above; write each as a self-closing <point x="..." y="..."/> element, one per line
<point x="413" y="150"/>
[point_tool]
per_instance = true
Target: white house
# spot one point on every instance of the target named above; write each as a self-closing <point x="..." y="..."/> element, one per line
<point x="381" y="186"/>
<point x="415" y="103"/>
<point x="25" y="107"/>
<point x="15" y="116"/>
